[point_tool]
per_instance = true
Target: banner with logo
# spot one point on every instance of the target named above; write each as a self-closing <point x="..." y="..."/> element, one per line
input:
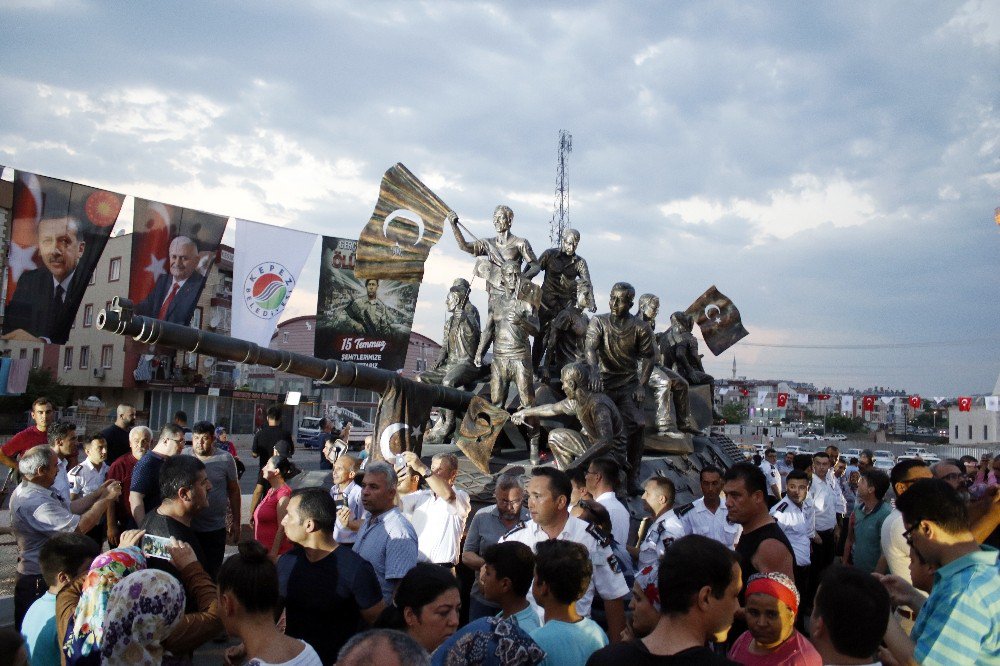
<point x="265" y="270"/>
<point x="172" y="251"/>
<point x="58" y="232"/>
<point x="361" y="321"/>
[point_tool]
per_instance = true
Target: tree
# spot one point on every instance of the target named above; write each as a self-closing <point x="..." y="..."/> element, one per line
<point x="734" y="412"/>
<point x="845" y="424"/>
<point x="41" y="382"/>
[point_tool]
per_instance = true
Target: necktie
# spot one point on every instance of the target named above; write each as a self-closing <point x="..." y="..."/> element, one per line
<point x="167" y="301"/>
<point x="60" y="295"/>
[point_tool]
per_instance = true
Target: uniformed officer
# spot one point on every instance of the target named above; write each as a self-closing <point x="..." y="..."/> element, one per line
<point x="797" y="519"/>
<point x="663" y="527"/>
<point x="707" y="515"/>
<point x="549" y="490"/>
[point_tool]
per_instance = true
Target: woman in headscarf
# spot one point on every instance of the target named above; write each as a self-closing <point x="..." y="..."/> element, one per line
<point x="84" y="636"/>
<point x="145" y="608"/>
<point x="771" y="639"/>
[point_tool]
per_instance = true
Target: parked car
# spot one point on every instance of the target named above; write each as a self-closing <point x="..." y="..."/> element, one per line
<point x="916" y="451"/>
<point x="812" y="436"/>
<point x="836" y="438"/>
<point x="852" y="453"/>
<point x="793" y="448"/>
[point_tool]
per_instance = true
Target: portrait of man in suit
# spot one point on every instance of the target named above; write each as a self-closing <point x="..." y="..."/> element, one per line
<point x="44" y="299"/>
<point x="175" y="294"/>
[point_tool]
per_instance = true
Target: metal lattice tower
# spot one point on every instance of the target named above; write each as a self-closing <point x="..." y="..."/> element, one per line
<point x="560" y="212"/>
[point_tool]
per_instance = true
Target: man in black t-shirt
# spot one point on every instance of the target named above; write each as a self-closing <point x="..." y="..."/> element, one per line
<point x="116" y="434"/>
<point x="264" y="442"/>
<point x="184" y="486"/>
<point x="699" y="585"/>
<point x="327" y="600"/>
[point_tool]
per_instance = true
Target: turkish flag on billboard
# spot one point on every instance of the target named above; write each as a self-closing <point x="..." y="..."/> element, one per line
<point x="915" y="401"/>
<point x="868" y="403"/>
<point x="964" y="404"/>
<point x="782" y="399"/>
<point x="823" y="396"/>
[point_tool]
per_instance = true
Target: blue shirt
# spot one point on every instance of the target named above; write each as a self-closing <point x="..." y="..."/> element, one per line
<point x="146" y="479"/>
<point x="960" y="622"/>
<point x="526" y="619"/>
<point x="389" y="543"/>
<point x="39" y="631"/>
<point x="569" y="643"/>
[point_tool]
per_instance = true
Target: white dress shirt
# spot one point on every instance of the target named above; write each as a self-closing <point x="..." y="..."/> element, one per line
<point x="799" y="525"/>
<point x="439" y="523"/>
<point x="824" y="501"/>
<point x="620" y="516"/>
<point x="664" y="531"/>
<point x="699" y="519"/>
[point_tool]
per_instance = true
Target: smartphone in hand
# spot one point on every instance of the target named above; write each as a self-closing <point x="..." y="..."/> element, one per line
<point x="156" y="546"/>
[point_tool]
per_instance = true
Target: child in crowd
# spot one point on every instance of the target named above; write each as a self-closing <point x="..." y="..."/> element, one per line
<point x="562" y="575"/>
<point x="505" y="580"/>
<point x="62" y="558"/>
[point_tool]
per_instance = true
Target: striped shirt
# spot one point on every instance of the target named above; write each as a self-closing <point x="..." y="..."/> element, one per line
<point x="959" y="623"/>
<point x="389" y="543"/>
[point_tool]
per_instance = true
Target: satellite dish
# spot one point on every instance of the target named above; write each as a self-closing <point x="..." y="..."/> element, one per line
<point x="209" y="362"/>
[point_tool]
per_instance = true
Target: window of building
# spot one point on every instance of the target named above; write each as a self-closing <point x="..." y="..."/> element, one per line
<point x="68" y="358"/>
<point x="36" y="358"/>
<point x="84" y="357"/>
<point x="115" y="269"/>
<point x="970" y="432"/>
<point x="107" y="353"/>
<point x="24" y="354"/>
<point x="986" y="433"/>
<point x="93" y="278"/>
<point x="284" y="337"/>
<point x="88" y="315"/>
<point x="196" y="318"/>
<point x="956" y="432"/>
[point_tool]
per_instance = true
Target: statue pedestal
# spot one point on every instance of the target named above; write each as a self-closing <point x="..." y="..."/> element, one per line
<point x="662" y="444"/>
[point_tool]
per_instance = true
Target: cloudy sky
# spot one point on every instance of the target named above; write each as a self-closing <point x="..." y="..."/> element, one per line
<point x="832" y="167"/>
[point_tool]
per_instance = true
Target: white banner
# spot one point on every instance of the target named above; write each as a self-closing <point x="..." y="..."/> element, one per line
<point x="847" y="403"/>
<point x="266" y="266"/>
<point x="887" y="399"/>
<point x="993" y="403"/>
<point x="803" y="398"/>
<point x="761" y="396"/>
<point x="939" y="399"/>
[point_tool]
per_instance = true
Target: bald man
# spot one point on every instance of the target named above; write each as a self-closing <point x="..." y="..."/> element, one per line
<point x="42" y="300"/>
<point x="175" y="294"/>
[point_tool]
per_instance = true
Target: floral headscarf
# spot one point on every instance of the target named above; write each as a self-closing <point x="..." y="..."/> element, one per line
<point x="84" y="636"/>
<point x="489" y="641"/>
<point x="144" y="608"/>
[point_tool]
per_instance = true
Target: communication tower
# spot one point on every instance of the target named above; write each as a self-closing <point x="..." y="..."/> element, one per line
<point x="560" y="212"/>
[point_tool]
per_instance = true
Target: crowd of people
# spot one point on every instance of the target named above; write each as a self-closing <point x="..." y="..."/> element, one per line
<point x="121" y="558"/>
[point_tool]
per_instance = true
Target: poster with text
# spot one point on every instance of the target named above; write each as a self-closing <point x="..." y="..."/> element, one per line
<point x="362" y="321"/>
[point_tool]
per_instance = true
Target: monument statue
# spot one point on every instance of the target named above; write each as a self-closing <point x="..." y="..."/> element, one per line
<point x="472" y="310"/>
<point x="370" y="313"/>
<point x="455" y="365"/>
<point x="603" y="431"/>
<point x="620" y="352"/>
<point x="565" y="272"/>
<point x="504" y="247"/>
<point x="679" y="348"/>
<point x="567" y="333"/>
<point x="510" y="323"/>
<point x="667" y="385"/>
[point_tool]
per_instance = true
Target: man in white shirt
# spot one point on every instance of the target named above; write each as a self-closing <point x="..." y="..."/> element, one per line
<point x="707" y="515"/>
<point x="658" y="498"/>
<point x="796" y="518"/>
<point x="549" y="490"/>
<point x="602" y="480"/>
<point x="438" y="514"/>
<point x="770" y="468"/>
<point x="826" y="500"/>
<point x="347" y="494"/>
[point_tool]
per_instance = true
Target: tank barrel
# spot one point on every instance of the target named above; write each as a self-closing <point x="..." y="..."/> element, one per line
<point x="121" y="319"/>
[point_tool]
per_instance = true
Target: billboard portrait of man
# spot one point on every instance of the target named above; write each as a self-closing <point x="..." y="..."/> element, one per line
<point x="172" y="251"/>
<point x="59" y="231"/>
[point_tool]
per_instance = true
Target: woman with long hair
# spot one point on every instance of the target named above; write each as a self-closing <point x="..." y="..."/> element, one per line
<point x="425" y="606"/>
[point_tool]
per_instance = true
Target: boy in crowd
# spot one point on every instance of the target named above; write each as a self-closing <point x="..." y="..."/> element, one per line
<point x="562" y="575"/>
<point x="505" y="579"/>
<point x="62" y="558"/>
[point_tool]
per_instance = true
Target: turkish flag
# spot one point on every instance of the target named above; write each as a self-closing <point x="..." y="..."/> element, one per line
<point x="744" y="392"/>
<point x="965" y="404"/>
<point x="823" y="396"/>
<point x="782" y="399"/>
<point x="868" y="403"/>
<point x="915" y="401"/>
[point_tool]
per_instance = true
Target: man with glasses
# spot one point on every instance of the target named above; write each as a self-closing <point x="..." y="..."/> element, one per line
<point x="144" y="492"/>
<point x="487" y="526"/>
<point x="957" y="623"/>
<point x="438" y="514"/>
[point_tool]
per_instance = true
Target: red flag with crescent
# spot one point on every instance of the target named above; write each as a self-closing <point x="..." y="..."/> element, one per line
<point x="964" y="404"/>
<point x="823" y="396"/>
<point x="915" y="401"/>
<point x="868" y="403"/>
<point x="744" y="392"/>
<point x="782" y="399"/>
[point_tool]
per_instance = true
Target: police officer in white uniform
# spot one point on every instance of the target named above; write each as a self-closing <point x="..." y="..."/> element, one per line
<point x="797" y="519"/>
<point x="708" y="515"/>
<point x="663" y="528"/>
<point x="548" y="504"/>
